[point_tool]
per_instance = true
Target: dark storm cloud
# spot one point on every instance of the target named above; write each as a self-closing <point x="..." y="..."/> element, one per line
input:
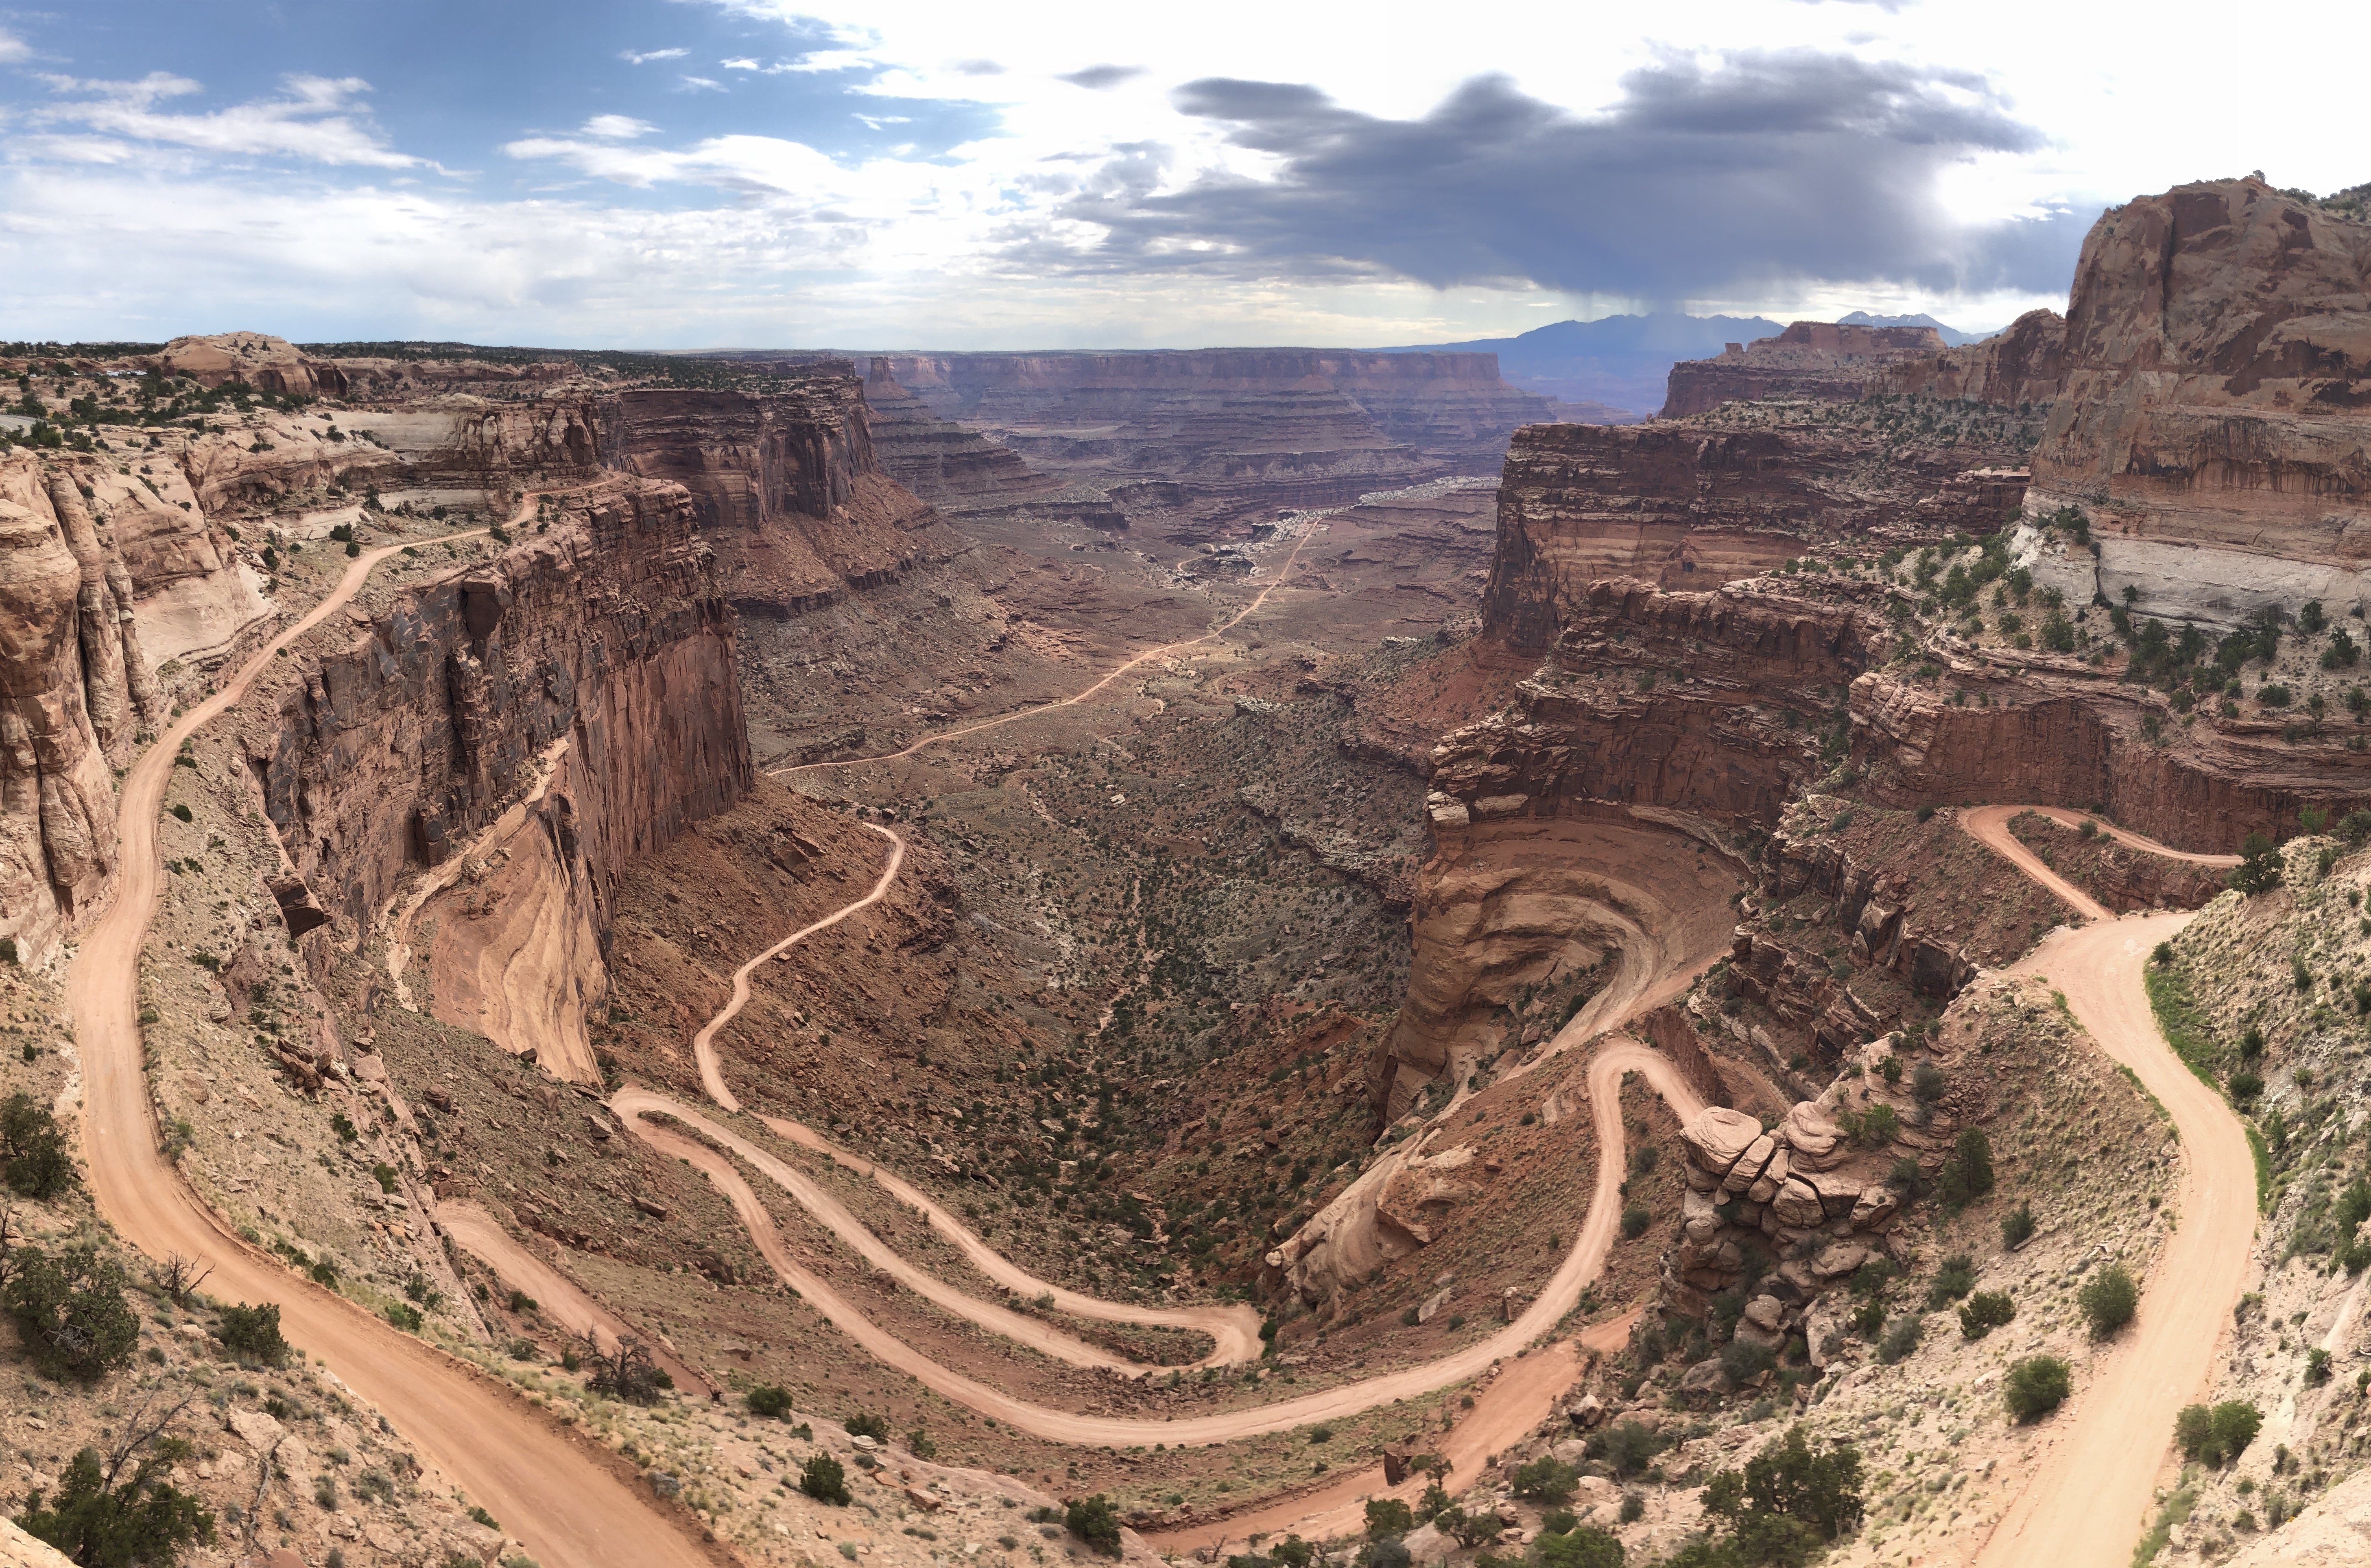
<point x="1702" y="181"/>
<point x="1098" y="77"/>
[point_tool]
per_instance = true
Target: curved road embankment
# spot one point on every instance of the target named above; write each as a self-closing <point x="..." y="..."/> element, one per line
<point x="2094" y="1481"/>
<point x="566" y="1498"/>
<point x="1540" y="1376"/>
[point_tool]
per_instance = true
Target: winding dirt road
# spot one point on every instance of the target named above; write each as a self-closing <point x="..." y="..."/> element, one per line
<point x="565" y="1498"/>
<point x="1072" y="700"/>
<point x="2095" y="1480"/>
<point x="703" y="1044"/>
<point x="1581" y="1265"/>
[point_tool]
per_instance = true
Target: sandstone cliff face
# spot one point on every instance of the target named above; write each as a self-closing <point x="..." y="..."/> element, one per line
<point x="2022" y="363"/>
<point x="2068" y="736"/>
<point x="1692" y="503"/>
<point x="605" y="645"/>
<point x="1561" y="825"/>
<point x="1820" y="360"/>
<point x="1716" y="704"/>
<point x="941" y="461"/>
<point x="2216" y="416"/>
<point x="785" y="485"/>
<point x="67" y="699"/>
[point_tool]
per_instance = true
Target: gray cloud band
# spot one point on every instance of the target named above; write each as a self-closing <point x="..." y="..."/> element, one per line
<point x="1733" y="179"/>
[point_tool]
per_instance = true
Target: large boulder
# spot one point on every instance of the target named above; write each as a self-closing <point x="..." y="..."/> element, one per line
<point x="1716" y="1136"/>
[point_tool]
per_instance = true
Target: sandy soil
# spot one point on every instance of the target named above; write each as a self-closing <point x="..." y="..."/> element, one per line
<point x="565" y="1503"/>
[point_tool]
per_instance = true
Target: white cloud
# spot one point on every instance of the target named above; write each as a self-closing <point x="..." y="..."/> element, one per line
<point x="12" y="48"/>
<point x="702" y="85"/>
<point x="618" y="127"/>
<point x="319" y="120"/>
<point x="739" y="63"/>
<point x="644" y="57"/>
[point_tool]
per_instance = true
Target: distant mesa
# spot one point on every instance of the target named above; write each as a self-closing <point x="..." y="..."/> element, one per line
<point x="1823" y="360"/>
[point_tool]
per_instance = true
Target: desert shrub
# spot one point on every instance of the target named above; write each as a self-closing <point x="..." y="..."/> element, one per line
<point x="770" y="1400"/>
<point x="1788" y="1502"/>
<point x="2016" y="1226"/>
<point x="628" y="1373"/>
<point x="1967" y="1175"/>
<point x="1546" y="1480"/>
<point x="1388" y="1553"/>
<point x="252" y="1333"/>
<point x="2252" y="1043"/>
<point x="1388" y="1517"/>
<point x="1900" y="1339"/>
<point x="32" y="1151"/>
<point x="2218" y="1434"/>
<point x="1093" y="1520"/>
<point x="2035" y="1386"/>
<point x="1742" y="1360"/>
<point x="1634" y="1221"/>
<point x="824" y="1480"/>
<point x="2108" y="1299"/>
<point x="95" y="1521"/>
<point x="1627" y="1447"/>
<point x="1633" y="1508"/>
<point x="405" y="1316"/>
<point x="865" y="1424"/>
<point x="1953" y="1278"/>
<point x="1927" y="1083"/>
<point x="2260" y="865"/>
<point x="70" y="1312"/>
<point x="2317" y="1367"/>
<point x="918" y="1444"/>
<point x="1985" y="1311"/>
<point x="1873" y="1128"/>
<point x="1581" y="1548"/>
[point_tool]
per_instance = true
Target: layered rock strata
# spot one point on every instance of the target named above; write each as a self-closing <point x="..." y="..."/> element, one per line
<point x="1822" y="361"/>
<point x="1800" y="1190"/>
<point x="785" y="484"/>
<point x="258" y="359"/>
<point x="2216" y="416"/>
<point x="1689" y="504"/>
<point x="2020" y="364"/>
<point x="1277" y="427"/>
<point x="67" y="652"/>
<point x="605" y="648"/>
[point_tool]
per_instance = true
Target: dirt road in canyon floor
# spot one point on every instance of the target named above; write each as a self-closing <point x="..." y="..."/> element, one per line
<point x="1531" y="1382"/>
<point x="1284" y="572"/>
<point x="565" y="1498"/>
<point x="2094" y="1481"/>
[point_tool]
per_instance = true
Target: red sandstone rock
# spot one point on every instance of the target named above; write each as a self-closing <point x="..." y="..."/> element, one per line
<point x="1823" y="360"/>
<point x="2019" y="365"/>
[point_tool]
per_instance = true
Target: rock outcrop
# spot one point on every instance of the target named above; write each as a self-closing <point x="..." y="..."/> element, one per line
<point x="1718" y="704"/>
<point x="1824" y="361"/>
<point x="2020" y="364"/>
<point x="606" y="646"/>
<point x="1801" y="1190"/>
<point x="258" y="359"/>
<point x="2216" y="416"/>
<point x="68" y="698"/>
<point x="1692" y="503"/>
<point x="784" y="483"/>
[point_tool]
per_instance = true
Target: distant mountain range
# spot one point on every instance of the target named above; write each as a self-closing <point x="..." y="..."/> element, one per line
<point x="1622" y="362"/>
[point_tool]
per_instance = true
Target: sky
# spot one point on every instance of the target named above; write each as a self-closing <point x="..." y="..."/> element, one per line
<point x="812" y="173"/>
